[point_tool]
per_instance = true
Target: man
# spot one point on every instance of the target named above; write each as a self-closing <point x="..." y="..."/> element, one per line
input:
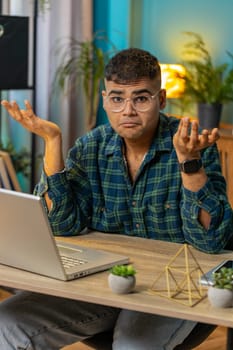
<point x="144" y="174"/>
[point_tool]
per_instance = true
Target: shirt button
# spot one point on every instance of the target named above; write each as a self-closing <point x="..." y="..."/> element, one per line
<point x="137" y="225"/>
<point x="133" y="203"/>
<point x="167" y="206"/>
<point x="199" y="202"/>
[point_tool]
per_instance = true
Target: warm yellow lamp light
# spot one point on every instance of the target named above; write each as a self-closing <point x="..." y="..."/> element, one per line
<point x="172" y="79"/>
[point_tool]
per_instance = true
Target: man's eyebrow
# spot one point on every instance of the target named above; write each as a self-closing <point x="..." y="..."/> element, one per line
<point x="117" y="92"/>
<point x="135" y="92"/>
<point x="141" y="91"/>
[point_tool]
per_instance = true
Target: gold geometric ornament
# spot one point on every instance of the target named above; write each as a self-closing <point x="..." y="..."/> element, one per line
<point x="180" y="279"/>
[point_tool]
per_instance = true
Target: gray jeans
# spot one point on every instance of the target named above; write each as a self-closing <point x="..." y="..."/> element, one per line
<point x="30" y="321"/>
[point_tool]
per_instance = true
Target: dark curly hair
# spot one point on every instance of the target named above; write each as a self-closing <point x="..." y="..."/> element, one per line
<point x="132" y="64"/>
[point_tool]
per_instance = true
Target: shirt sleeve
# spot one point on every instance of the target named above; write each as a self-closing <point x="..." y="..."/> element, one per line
<point x="69" y="214"/>
<point x="212" y="198"/>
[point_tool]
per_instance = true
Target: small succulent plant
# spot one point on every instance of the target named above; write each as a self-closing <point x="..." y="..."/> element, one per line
<point x="122" y="279"/>
<point x="223" y="279"/>
<point x="123" y="270"/>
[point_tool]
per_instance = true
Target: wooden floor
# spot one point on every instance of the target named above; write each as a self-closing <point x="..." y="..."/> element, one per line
<point x="216" y="341"/>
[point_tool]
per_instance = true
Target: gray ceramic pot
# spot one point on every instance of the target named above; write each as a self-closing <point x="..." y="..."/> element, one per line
<point x="220" y="297"/>
<point x="121" y="285"/>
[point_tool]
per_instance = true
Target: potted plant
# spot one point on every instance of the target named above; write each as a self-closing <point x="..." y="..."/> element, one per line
<point x="82" y="65"/>
<point x="43" y="5"/>
<point x="220" y="294"/>
<point x="122" y="279"/>
<point x="20" y="159"/>
<point x="207" y="84"/>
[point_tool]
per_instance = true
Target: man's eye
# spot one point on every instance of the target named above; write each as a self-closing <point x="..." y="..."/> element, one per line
<point x="141" y="99"/>
<point x="116" y="99"/>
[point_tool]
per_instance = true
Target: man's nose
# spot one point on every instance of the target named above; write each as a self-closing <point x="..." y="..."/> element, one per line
<point x="129" y="107"/>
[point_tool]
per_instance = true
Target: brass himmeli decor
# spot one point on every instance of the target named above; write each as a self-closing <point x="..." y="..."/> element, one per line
<point x="180" y="279"/>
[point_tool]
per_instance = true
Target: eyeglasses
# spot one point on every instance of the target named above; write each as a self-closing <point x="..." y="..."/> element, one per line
<point x="140" y="103"/>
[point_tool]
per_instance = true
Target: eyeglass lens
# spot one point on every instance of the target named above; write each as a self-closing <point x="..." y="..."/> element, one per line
<point x="139" y="103"/>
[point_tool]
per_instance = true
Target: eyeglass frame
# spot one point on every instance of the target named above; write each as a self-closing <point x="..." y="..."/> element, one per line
<point x="132" y="103"/>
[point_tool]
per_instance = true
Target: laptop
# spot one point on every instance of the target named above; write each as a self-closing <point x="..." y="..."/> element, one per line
<point x="27" y="242"/>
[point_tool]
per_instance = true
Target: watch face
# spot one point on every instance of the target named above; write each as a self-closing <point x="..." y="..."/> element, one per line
<point x="191" y="166"/>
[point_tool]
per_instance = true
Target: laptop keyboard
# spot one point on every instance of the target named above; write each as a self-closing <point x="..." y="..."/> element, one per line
<point x="69" y="261"/>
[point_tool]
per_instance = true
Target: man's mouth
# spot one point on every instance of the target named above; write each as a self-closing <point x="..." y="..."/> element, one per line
<point x="129" y="124"/>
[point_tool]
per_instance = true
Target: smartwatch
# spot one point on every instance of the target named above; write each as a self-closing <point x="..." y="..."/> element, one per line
<point x="190" y="166"/>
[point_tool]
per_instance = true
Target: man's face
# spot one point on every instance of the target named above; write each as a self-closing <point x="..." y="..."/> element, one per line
<point x="132" y="122"/>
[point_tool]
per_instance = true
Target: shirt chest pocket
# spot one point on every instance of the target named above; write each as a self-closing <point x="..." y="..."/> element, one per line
<point x="112" y="216"/>
<point x="163" y="219"/>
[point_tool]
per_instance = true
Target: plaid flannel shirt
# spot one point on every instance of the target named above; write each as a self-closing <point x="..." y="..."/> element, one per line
<point x="95" y="191"/>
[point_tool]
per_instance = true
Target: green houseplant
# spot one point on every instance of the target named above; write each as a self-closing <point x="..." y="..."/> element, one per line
<point x="224" y="278"/>
<point x="44" y="5"/>
<point x="220" y="293"/>
<point x="207" y="84"/>
<point x="122" y="279"/>
<point x="82" y="66"/>
<point x="20" y="159"/>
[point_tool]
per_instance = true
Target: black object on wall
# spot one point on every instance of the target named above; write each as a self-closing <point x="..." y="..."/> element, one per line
<point x="14" y="51"/>
<point x="17" y="54"/>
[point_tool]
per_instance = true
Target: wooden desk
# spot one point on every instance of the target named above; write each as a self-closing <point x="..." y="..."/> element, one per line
<point x="149" y="258"/>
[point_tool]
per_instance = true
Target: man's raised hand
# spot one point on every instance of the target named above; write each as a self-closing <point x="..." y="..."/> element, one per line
<point x="27" y="118"/>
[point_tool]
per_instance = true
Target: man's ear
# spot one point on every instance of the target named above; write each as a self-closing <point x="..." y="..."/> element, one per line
<point x="162" y="99"/>
<point x="104" y="94"/>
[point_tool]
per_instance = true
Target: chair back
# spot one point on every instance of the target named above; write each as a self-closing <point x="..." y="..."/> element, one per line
<point x="225" y="147"/>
